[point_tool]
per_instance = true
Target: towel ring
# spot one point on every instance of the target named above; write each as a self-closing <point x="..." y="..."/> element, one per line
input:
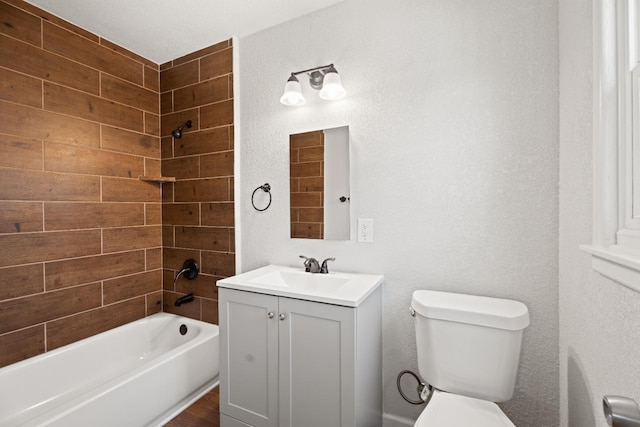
<point x="267" y="189"/>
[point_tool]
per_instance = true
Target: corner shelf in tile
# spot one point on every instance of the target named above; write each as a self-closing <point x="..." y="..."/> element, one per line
<point x="159" y="179"/>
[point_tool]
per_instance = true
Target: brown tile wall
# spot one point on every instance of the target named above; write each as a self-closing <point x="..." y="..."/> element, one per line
<point x="82" y="240"/>
<point x="197" y="210"/>
<point x="307" y="184"/>
<point x="80" y="235"/>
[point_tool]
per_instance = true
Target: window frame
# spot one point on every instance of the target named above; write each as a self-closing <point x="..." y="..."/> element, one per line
<point x="615" y="248"/>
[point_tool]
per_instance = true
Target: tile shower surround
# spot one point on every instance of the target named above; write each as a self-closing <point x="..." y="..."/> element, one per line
<point x="197" y="210"/>
<point x="84" y="245"/>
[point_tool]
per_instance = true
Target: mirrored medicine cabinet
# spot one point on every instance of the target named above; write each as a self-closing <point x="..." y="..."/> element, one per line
<point x="319" y="184"/>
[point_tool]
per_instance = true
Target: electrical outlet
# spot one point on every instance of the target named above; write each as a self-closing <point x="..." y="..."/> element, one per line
<point x="365" y="230"/>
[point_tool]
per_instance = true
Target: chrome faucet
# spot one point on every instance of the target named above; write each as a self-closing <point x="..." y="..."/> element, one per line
<point x="325" y="269"/>
<point x="311" y="265"/>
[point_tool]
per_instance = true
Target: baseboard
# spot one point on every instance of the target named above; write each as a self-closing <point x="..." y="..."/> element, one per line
<point x="390" y="420"/>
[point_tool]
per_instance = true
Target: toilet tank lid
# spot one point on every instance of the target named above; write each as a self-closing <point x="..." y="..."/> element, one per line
<point x="476" y="310"/>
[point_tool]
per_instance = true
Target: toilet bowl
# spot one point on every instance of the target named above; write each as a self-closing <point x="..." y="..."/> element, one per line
<point x="454" y="410"/>
<point x="468" y="351"/>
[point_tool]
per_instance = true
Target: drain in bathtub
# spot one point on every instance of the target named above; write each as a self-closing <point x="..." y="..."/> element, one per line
<point x="183" y="329"/>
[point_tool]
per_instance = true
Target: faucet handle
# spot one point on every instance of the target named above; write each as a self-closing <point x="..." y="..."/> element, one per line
<point x="307" y="263"/>
<point x="189" y="269"/>
<point x="325" y="269"/>
<point x="311" y="265"/>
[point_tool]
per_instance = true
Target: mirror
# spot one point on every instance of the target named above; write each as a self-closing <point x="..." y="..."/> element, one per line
<point x="319" y="184"/>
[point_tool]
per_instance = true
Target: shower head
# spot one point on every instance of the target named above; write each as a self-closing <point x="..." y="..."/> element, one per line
<point x="177" y="133"/>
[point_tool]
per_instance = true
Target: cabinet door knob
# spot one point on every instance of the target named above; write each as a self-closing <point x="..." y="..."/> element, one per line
<point x="271" y="314"/>
<point x="282" y="316"/>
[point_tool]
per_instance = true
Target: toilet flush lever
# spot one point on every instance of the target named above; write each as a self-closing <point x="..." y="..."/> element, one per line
<point x="621" y="411"/>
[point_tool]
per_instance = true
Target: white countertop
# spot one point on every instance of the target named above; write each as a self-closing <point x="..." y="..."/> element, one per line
<point x="346" y="289"/>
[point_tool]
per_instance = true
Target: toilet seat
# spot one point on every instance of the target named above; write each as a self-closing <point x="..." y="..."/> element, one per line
<point x="453" y="410"/>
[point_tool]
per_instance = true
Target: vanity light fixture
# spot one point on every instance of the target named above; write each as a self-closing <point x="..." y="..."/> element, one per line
<point x="324" y="78"/>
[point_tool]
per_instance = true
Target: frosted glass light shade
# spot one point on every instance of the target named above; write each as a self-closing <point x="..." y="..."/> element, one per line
<point x="292" y="95"/>
<point x="332" y="87"/>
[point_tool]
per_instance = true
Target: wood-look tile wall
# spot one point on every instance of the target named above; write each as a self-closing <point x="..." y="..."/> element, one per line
<point x="307" y="184"/>
<point x="80" y="235"/>
<point x="197" y="210"/>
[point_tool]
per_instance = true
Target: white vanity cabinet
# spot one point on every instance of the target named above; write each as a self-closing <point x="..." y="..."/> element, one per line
<point x="297" y="363"/>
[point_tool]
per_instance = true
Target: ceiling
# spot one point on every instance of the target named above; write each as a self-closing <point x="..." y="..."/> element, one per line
<point x="162" y="30"/>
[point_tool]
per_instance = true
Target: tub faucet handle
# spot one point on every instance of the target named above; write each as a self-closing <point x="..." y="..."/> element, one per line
<point x="189" y="269"/>
<point x="325" y="269"/>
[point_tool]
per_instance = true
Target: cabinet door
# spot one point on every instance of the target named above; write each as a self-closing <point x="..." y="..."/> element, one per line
<point x="317" y="364"/>
<point x="249" y="357"/>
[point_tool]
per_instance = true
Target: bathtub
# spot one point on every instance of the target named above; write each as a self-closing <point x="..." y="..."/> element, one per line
<point x="140" y="374"/>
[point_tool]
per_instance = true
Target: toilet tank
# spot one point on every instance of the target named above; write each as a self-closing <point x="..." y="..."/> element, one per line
<point x="468" y="344"/>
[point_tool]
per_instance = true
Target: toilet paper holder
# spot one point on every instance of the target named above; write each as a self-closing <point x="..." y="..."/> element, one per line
<point x="621" y="411"/>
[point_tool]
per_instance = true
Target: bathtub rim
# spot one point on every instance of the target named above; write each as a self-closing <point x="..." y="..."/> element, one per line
<point x="181" y="406"/>
<point x="167" y="413"/>
<point x="68" y="347"/>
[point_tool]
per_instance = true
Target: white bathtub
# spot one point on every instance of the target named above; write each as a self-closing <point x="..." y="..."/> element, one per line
<point x="140" y="374"/>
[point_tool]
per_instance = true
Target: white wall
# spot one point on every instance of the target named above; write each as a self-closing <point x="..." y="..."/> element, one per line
<point x="599" y="319"/>
<point x="452" y="110"/>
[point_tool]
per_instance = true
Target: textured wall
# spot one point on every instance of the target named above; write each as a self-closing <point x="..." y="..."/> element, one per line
<point x="80" y="235"/>
<point x="197" y="210"/>
<point x="599" y="319"/>
<point x="452" y="111"/>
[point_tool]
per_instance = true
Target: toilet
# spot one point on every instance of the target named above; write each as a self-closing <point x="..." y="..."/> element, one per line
<point x="468" y="351"/>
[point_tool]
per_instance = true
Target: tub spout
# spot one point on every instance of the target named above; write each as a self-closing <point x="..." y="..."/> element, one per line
<point x="184" y="299"/>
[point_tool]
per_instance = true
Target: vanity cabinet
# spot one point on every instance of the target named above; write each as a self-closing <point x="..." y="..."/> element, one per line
<point x="297" y="363"/>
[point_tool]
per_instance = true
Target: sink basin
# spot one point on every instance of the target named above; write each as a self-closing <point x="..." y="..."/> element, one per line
<point x="301" y="280"/>
<point x="347" y="289"/>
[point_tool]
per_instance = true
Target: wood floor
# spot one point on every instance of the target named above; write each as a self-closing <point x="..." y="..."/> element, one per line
<point x="203" y="413"/>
